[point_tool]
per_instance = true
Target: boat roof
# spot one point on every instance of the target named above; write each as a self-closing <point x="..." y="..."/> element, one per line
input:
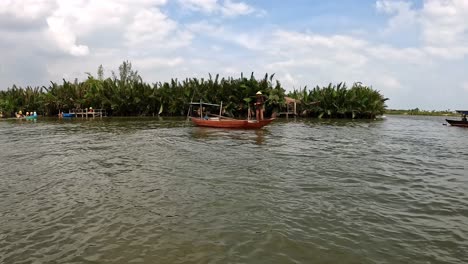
<point x="201" y="103"/>
<point x="463" y="112"/>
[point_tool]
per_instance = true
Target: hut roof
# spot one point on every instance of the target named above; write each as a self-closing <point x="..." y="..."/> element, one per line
<point x="291" y="100"/>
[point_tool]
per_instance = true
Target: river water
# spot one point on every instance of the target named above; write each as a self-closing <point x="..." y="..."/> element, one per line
<point x="298" y="191"/>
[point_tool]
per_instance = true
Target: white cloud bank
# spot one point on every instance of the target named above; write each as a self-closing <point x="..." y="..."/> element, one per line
<point x="66" y="22"/>
<point x="443" y="24"/>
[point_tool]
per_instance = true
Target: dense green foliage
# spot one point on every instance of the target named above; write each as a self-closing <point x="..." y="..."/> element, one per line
<point x="359" y="101"/>
<point x="126" y="94"/>
<point x="418" y="111"/>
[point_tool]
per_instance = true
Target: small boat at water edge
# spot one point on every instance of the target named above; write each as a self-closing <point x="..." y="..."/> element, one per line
<point x="26" y="118"/>
<point x="68" y="115"/>
<point x="231" y="123"/>
<point x="30" y="117"/>
<point x="460" y="123"/>
<point x="23" y="118"/>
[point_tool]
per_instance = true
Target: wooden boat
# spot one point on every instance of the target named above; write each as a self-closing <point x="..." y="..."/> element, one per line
<point x="231" y="123"/>
<point x="224" y="122"/>
<point x="459" y="123"/>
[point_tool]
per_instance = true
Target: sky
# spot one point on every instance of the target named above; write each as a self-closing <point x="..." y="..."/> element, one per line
<point x="414" y="52"/>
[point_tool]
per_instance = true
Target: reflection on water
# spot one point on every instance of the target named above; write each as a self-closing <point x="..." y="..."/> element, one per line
<point x="206" y="133"/>
<point x="148" y="190"/>
<point x="260" y="136"/>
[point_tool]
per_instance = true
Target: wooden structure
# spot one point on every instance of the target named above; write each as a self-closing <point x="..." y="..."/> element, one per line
<point x="291" y="107"/>
<point x="85" y="113"/>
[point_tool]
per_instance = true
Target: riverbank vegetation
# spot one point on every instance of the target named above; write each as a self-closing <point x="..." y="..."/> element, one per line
<point x="417" y="111"/>
<point x="337" y="101"/>
<point x="126" y="94"/>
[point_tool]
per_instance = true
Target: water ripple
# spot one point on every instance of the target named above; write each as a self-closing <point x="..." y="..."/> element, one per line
<point x="161" y="191"/>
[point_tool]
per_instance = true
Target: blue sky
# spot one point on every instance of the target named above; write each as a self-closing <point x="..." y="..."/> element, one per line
<point x="414" y="52"/>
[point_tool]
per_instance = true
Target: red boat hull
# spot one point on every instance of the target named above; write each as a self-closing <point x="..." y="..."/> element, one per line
<point x="230" y="123"/>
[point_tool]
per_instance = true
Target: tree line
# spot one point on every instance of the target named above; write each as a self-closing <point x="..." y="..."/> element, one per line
<point x="126" y="94"/>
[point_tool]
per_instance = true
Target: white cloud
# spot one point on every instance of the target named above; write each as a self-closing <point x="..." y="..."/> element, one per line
<point x="465" y="86"/>
<point x="151" y="63"/>
<point x="106" y="32"/>
<point x="389" y="82"/>
<point x="403" y="18"/>
<point x="227" y="8"/>
<point x="216" y="48"/>
<point x="149" y="25"/>
<point x="207" y="6"/>
<point x="309" y="40"/>
<point x="444" y="21"/>
<point x="442" y="24"/>
<point x="290" y="80"/>
<point x="445" y="27"/>
<point x="65" y="37"/>
<point x="232" y="9"/>
<point x="75" y="67"/>
<point x="141" y="23"/>
<point x="246" y="40"/>
<point x="299" y="58"/>
<point x="74" y="19"/>
<point x="447" y="52"/>
<point x="387" y="54"/>
<point x="26" y="9"/>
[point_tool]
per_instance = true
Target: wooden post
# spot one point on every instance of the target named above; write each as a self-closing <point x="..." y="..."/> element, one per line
<point x="287" y="110"/>
<point x="221" y="109"/>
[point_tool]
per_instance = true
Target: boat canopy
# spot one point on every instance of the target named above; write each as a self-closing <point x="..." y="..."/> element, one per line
<point x="200" y="103"/>
<point x="463" y="112"/>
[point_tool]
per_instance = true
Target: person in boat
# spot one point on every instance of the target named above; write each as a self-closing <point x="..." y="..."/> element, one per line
<point x="19" y="114"/>
<point x="259" y="102"/>
<point x="200" y="111"/>
<point x="464" y="118"/>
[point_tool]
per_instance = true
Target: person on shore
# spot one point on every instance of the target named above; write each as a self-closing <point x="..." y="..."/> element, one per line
<point x="259" y="101"/>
